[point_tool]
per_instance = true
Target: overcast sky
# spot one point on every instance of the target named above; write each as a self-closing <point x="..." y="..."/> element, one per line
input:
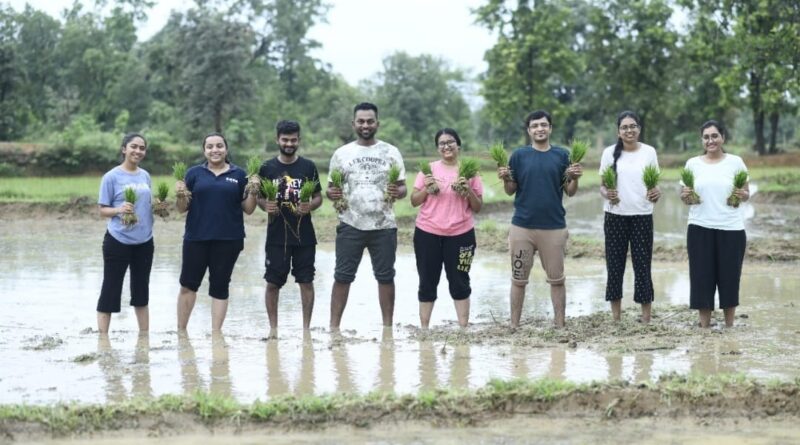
<point x="360" y="33"/>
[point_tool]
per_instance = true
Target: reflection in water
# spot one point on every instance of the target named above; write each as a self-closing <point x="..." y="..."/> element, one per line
<point x="386" y="361"/>
<point x="341" y="366"/>
<point x="642" y="367"/>
<point x="459" y="367"/>
<point x="277" y="384"/>
<point x="558" y="363"/>
<point x="108" y="360"/>
<point x="305" y="382"/>
<point x="428" y="372"/>
<point x="220" y="366"/>
<point x="190" y="378"/>
<point x="614" y="362"/>
<point x="140" y="378"/>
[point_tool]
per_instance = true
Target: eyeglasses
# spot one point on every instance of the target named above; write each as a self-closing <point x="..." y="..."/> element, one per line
<point x="711" y="137"/>
<point x="631" y="127"/>
<point x="447" y="144"/>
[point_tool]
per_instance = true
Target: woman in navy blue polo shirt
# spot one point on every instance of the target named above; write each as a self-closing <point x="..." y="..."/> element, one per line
<point x="214" y="233"/>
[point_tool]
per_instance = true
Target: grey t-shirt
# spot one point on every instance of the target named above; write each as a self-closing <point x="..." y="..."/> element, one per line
<point x="112" y="194"/>
<point x="365" y="172"/>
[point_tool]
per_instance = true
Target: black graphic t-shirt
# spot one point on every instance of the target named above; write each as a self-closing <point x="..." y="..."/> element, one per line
<point x="289" y="228"/>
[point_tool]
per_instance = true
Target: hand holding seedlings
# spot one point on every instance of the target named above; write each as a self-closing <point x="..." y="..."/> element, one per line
<point x="129" y="217"/>
<point x="609" y="178"/>
<point x="269" y="191"/>
<point x="650" y="177"/>
<point x="504" y="173"/>
<point x="688" y="195"/>
<point x="253" y="180"/>
<point x="574" y="171"/>
<point x="498" y="153"/>
<point x="431" y="187"/>
<point x="738" y="194"/>
<point x="179" y="172"/>
<point x="392" y="192"/>
<point x="468" y="168"/>
<point x="160" y="207"/>
<point x="335" y="190"/>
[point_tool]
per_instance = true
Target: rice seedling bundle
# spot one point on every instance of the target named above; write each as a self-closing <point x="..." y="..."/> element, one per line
<point x="425" y="168"/>
<point x="687" y="177"/>
<point x="650" y="177"/>
<point x="336" y="178"/>
<point x="498" y="154"/>
<point x="578" y="151"/>
<point x="269" y="190"/>
<point x="129" y="219"/>
<point x="253" y="166"/>
<point x="160" y="208"/>
<point x="468" y="168"/>
<point x="609" y="177"/>
<point x="391" y="178"/>
<point x="307" y="190"/>
<point x="739" y="180"/>
<point x="179" y="173"/>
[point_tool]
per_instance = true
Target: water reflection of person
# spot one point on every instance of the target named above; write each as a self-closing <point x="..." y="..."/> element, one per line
<point x="428" y="375"/>
<point x="445" y="228"/>
<point x="386" y="366"/>
<point x="214" y="233"/>
<point x="715" y="237"/>
<point x="190" y="377"/>
<point x="140" y="377"/>
<point x="277" y="384"/>
<point x="629" y="221"/>
<point x="460" y="366"/>
<point x="305" y="381"/>
<point x="558" y="363"/>
<point x="614" y="362"/>
<point x="220" y="366"/>
<point x="643" y="367"/>
<point x="126" y="245"/>
<point x="108" y="361"/>
<point x="341" y="365"/>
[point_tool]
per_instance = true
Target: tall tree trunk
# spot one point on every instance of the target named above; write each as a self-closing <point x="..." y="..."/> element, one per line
<point x="758" y="112"/>
<point x="774" y="118"/>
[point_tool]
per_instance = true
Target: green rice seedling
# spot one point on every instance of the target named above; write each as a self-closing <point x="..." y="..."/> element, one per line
<point x="609" y="177"/>
<point x="129" y="219"/>
<point x="179" y="173"/>
<point x="739" y="180"/>
<point x="253" y="166"/>
<point x="468" y="168"/>
<point x="425" y="168"/>
<point x="269" y="190"/>
<point x="578" y="151"/>
<point x="160" y="207"/>
<point x="687" y="177"/>
<point x="497" y="152"/>
<point x="391" y="178"/>
<point x="650" y="177"/>
<point x="336" y="178"/>
<point x="307" y="190"/>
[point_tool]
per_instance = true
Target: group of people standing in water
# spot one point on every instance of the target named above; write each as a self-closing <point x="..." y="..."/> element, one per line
<point x="216" y="194"/>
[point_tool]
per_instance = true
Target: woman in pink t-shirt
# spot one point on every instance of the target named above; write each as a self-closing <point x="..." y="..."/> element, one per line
<point x="445" y="228"/>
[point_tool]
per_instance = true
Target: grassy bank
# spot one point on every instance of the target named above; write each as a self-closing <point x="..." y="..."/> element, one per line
<point x="675" y="396"/>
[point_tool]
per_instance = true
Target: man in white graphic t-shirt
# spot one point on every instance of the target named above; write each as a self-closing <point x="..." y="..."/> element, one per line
<point x="368" y="219"/>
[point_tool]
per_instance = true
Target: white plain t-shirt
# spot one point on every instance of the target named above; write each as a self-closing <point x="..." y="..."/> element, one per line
<point x="714" y="183"/>
<point x="630" y="186"/>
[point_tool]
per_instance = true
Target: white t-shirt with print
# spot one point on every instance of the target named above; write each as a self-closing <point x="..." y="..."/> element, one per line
<point x="630" y="186"/>
<point x="714" y="183"/>
<point x="365" y="171"/>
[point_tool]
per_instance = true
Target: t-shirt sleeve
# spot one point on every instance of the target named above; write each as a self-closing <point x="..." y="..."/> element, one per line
<point x="242" y="177"/>
<point x="190" y="178"/>
<point x="106" y="195"/>
<point x="419" y="181"/>
<point x="605" y="160"/>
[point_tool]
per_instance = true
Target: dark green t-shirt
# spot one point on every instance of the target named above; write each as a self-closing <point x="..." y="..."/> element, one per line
<point x="540" y="177"/>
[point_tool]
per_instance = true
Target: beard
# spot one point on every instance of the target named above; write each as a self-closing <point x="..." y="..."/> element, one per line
<point x="288" y="151"/>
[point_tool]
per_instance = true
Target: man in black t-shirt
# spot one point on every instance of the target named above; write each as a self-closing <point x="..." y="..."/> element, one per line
<point x="291" y="242"/>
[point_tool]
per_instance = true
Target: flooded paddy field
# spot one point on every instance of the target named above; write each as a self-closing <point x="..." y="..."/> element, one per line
<point x="52" y="269"/>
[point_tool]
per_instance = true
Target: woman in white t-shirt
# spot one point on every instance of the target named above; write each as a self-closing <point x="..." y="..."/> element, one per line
<point x="628" y="222"/>
<point x="715" y="238"/>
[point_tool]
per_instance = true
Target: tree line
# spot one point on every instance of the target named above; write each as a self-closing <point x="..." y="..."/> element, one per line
<point x="238" y="66"/>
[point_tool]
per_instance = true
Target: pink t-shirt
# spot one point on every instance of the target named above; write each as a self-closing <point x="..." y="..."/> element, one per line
<point x="446" y="213"/>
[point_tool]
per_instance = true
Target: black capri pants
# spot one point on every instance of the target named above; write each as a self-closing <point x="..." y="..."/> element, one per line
<point x="219" y="256"/>
<point x="455" y="252"/>
<point x="715" y="264"/>
<point x="635" y="231"/>
<point x="117" y="258"/>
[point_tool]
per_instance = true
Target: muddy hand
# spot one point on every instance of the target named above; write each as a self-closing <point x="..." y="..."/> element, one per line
<point x="180" y="186"/>
<point x="686" y="192"/>
<point x="654" y="194"/>
<point x="334" y="193"/>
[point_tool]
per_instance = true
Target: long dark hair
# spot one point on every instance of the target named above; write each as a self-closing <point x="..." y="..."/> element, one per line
<point x="619" y="146"/>
<point x="721" y="128"/>
<point x="227" y="147"/>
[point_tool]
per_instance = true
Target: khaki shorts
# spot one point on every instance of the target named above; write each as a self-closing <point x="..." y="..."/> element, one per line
<point x="524" y="243"/>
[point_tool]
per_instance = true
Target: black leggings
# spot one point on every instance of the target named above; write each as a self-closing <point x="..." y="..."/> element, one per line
<point x="620" y="232"/>
<point x="117" y="257"/>
<point x="455" y="252"/>
<point x="715" y="264"/>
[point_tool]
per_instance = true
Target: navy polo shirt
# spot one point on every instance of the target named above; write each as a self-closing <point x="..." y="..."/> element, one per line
<point x="215" y="211"/>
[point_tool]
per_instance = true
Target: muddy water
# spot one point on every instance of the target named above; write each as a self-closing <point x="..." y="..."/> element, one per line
<point x="51" y="271"/>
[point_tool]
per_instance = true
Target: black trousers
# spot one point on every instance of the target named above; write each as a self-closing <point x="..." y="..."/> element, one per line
<point x="635" y="231"/>
<point x="117" y="258"/>
<point x="715" y="264"/>
<point x="454" y="252"/>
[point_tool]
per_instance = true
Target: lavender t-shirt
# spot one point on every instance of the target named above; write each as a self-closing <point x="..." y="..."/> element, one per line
<point x="446" y="213"/>
<point x="112" y="194"/>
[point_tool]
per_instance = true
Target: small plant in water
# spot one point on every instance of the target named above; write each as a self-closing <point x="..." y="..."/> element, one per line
<point x="739" y="180"/>
<point x="160" y="207"/>
<point x="425" y="168"/>
<point x="391" y="178"/>
<point x="609" y="177"/>
<point x="129" y="219"/>
<point x="650" y="177"/>
<point x="337" y="180"/>
<point x="468" y="168"/>
<point x="253" y="166"/>
<point x="578" y="151"/>
<point x="687" y="177"/>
